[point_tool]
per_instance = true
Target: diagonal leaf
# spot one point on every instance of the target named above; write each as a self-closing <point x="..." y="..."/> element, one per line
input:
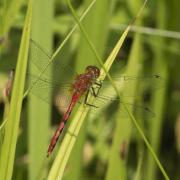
<point x="12" y="126"/>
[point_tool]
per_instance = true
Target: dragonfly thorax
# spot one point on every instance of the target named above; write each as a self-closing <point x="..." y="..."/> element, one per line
<point x="84" y="81"/>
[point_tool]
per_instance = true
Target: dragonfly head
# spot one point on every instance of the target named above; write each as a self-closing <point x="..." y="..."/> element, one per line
<point x="93" y="70"/>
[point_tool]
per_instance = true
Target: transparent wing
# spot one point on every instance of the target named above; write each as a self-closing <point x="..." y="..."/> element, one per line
<point x="107" y="96"/>
<point x="43" y="64"/>
<point x="48" y="76"/>
<point x="104" y="104"/>
<point x="43" y="88"/>
<point x="143" y="84"/>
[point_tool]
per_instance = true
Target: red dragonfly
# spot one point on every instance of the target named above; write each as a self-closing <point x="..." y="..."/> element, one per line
<point x="82" y="85"/>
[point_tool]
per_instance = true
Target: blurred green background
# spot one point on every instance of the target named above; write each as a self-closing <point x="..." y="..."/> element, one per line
<point x="108" y="146"/>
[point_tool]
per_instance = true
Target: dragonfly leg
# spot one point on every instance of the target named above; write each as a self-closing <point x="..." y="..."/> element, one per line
<point x="86" y="100"/>
<point x="98" y="83"/>
<point x="93" y="91"/>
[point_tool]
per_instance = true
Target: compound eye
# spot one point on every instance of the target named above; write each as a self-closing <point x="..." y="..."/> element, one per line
<point x="88" y="68"/>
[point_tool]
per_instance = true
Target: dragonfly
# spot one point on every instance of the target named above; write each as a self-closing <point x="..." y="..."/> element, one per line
<point x="80" y="85"/>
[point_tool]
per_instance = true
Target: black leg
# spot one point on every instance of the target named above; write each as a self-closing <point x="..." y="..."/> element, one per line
<point x="93" y="92"/>
<point x="86" y="98"/>
<point x="98" y="84"/>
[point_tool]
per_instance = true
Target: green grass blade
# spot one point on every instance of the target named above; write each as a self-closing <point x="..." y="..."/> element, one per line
<point x="39" y="112"/>
<point x="122" y="134"/>
<point x="159" y="101"/>
<point x="12" y="125"/>
<point x="9" y="11"/>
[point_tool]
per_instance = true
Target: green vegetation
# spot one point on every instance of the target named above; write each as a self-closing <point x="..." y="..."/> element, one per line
<point x="114" y="140"/>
